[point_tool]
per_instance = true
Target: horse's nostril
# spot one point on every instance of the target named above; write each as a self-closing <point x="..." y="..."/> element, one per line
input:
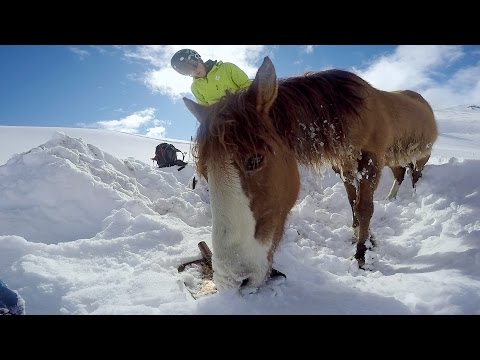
<point x="244" y="282"/>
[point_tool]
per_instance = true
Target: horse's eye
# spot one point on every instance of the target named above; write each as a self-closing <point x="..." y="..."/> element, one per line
<point x="254" y="163"/>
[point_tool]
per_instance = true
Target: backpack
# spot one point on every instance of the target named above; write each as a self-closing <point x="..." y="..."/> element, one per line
<point x="166" y="156"/>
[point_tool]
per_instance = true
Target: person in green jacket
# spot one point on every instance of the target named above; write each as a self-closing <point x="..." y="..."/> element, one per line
<point x="211" y="79"/>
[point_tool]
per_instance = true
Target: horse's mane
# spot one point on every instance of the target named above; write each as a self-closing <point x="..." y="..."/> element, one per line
<point x="313" y="111"/>
<point x="310" y="115"/>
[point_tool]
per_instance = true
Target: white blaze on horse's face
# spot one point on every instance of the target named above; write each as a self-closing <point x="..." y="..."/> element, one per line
<point x="237" y="254"/>
<point x="249" y="211"/>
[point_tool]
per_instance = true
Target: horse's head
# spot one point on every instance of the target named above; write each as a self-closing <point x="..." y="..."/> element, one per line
<point x="253" y="179"/>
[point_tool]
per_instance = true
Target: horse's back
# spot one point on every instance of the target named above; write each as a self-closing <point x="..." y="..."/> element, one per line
<point x="411" y="114"/>
<point x="412" y="124"/>
<point x="397" y="124"/>
<point x="412" y="94"/>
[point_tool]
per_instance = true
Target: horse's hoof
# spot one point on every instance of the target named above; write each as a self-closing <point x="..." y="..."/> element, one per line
<point x="360" y="255"/>
<point x="361" y="263"/>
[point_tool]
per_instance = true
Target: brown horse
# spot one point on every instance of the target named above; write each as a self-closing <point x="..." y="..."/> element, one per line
<point x="249" y="145"/>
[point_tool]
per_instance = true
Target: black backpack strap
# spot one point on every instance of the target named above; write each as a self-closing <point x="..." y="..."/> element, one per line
<point x="180" y="163"/>
<point x="183" y="155"/>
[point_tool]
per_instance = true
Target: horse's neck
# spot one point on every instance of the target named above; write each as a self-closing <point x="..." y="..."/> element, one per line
<point x="305" y="127"/>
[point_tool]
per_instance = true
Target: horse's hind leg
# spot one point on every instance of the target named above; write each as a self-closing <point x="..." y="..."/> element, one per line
<point x="399" y="175"/>
<point x="417" y="170"/>
<point x="370" y="171"/>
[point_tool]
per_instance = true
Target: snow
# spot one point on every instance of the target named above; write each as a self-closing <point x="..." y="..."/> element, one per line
<point x="89" y="226"/>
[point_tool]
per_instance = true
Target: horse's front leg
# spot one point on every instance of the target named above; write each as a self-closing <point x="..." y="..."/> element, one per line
<point x="349" y="183"/>
<point x="368" y="176"/>
<point x="352" y="198"/>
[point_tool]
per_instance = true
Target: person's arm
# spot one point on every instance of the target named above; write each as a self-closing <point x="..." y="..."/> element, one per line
<point x="238" y="76"/>
<point x="200" y="98"/>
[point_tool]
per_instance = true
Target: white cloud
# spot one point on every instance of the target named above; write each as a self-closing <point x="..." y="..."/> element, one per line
<point x="143" y="121"/>
<point x="163" y="79"/>
<point x="100" y="49"/>
<point x="462" y="88"/>
<point x="82" y="54"/>
<point x="308" y="48"/>
<point x="168" y="82"/>
<point x="422" y="68"/>
<point x="157" y="132"/>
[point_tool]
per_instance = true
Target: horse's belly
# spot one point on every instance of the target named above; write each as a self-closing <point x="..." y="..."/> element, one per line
<point x="404" y="156"/>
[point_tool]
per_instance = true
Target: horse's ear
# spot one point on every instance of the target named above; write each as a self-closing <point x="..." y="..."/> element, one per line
<point x="196" y="109"/>
<point x="265" y="86"/>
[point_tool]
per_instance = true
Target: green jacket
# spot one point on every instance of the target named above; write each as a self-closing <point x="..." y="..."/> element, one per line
<point x="222" y="77"/>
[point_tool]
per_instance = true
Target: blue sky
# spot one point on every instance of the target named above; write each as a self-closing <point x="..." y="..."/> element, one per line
<point x="133" y="88"/>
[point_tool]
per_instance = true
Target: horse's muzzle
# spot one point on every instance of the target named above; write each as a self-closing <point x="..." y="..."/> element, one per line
<point x="273" y="274"/>
<point x="244" y="283"/>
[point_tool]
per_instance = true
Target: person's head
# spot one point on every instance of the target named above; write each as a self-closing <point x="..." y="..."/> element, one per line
<point x="188" y="62"/>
